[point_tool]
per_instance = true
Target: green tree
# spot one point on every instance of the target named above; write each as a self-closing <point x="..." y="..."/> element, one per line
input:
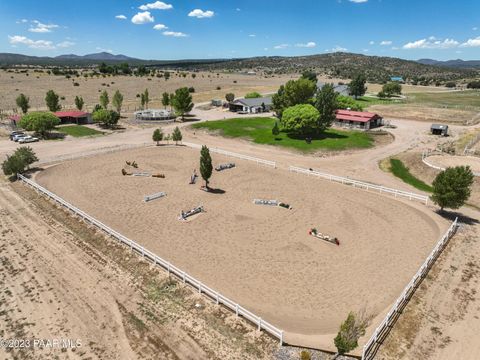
<point x="230" y="97"/>
<point x="357" y="86"/>
<point x="157" y="136"/>
<point x="206" y="166"/>
<point x="253" y="95"/>
<point x="310" y="75"/>
<point x="275" y="129"/>
<point x="21" y="159"/>
<point x="23" y="102"/>
<point x="79" y="102"/>
<point x="346" y="102"/>
<point x="294" y="92"/>
<point x="326" y="104"/>
<point x="182" y="102"/>
<point x="104" y="100"/>
<point x="117" y="101"/>
<point x="27" y="155"/>
<point x="145" y="99"/>
<point x="350" y="331"/>
<point x="392" y="88"/>
<point x="166" y="75"/>
<point x="301" y="119"/>
<point x="452" y="187"/>
<point x="40" y="122"/>
<point x="165" y="99"/>
<point x="52" y="101"/>
<point x="108" y="118"/>
<point x="177" y="135"/>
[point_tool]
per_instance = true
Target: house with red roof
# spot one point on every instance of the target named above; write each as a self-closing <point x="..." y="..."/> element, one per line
<point x="74" y="117"/>
<point x="362" y="120"/>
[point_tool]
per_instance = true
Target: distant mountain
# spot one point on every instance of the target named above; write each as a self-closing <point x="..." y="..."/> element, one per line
<point x="342" y="65"/>
<point x="102" y="56"/>
<point x="458" y="63"/>
<point x="68" y="59"/>
<point x="346" y="65"/>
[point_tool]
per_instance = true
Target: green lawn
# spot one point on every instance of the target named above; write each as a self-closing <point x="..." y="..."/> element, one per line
<point x="78" y="130"/>
<point x="398" y="169"/>
<point x="259" y="130"/>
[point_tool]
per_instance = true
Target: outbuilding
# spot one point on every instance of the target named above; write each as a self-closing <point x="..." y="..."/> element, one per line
<point x="439" y="129"/>
<point x="251" y="106"/>
<point x="74" y="117"/>
<point x="154" y="114"/>
<point x="357" y="119"/>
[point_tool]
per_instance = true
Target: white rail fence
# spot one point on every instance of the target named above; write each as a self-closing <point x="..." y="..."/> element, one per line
<point x="371" y="347"/>
<point x="428" y="153"/>
<point x="232" y="154"/>
<point x="362" y="185"/>
<point x="468" y="148"/>
<point x="100" y="151"/>
<point x="182" y="275"/>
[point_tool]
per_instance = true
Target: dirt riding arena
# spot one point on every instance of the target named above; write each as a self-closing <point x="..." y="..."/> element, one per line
<point x="260" y="256"/>
<point x="445" y="161"/>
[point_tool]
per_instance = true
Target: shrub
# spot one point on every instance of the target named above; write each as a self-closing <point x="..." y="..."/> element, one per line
<point x="191" y="89"/>
<point x="305" y="355"/>
<point x="108" y="118"/>
<point x="21" y="159"/>
<point x="253" y="95"/>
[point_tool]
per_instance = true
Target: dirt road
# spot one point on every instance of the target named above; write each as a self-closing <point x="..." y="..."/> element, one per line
<point x="61" y="280"/>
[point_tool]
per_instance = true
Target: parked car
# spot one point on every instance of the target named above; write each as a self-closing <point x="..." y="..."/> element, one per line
<point x="13" y="133"/>
<point x="18" y="137"/>
<point x="28" y="139"/>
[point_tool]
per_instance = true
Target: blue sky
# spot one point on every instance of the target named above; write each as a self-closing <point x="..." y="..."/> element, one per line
<point x="411" y="29"/>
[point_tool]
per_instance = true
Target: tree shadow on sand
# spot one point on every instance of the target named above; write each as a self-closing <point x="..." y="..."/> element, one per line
<point x="462" y="218"/>
<point x="322" y="136"/>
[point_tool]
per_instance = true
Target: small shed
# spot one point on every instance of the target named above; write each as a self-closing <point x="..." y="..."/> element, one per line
<point x="74" y="117"/>
<point x="216" y="102"/>
<point x="439" y="129"/>
<point x="362" y="120"/>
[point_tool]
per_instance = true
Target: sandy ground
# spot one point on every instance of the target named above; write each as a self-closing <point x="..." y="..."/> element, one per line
<point x="441" y="321"/>
<point x="62" y="280"/>
<point x="260" y="256"/>
<point x="205" y="84"/>
<point x="451" y="161"/>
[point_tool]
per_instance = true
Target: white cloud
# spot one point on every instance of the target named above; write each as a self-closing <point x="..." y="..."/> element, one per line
<point x="252" y="35"/>
<point x="157" y="5"/>
<point x="160" y="27"/>
<point x="365" y="50"/>
<point x="200" y="14"/>
<point x="22" y="21"/>
<point x="281" y="46"/>
<point x="431" y="43"/>
<point x="174" y="34"/>
<point x="238" y="9"/>
<point x="41" y="28"/>
<point x="104" y="50"/>
<point x="372" y="42"/>
<point x="309" y="44"/>
<point x="358" y="1"/>
<point x="472" y="42"/>
<point x="33" y="44"/>
<point x="337" y="48"/>
<point x="386" y="43"/>
<point x="475" y="28"/>
<point x="121" y="17"/>
<point x="65" y="44"/>
<point x="143" y="18"/>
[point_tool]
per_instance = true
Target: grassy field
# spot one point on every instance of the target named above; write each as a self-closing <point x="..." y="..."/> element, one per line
<point x="78" y="130"/>
<point x="366" y="101"/>
<point x="398" y="169"/>
<point x="259" y="130"/>
<point x="452" y="100"/>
